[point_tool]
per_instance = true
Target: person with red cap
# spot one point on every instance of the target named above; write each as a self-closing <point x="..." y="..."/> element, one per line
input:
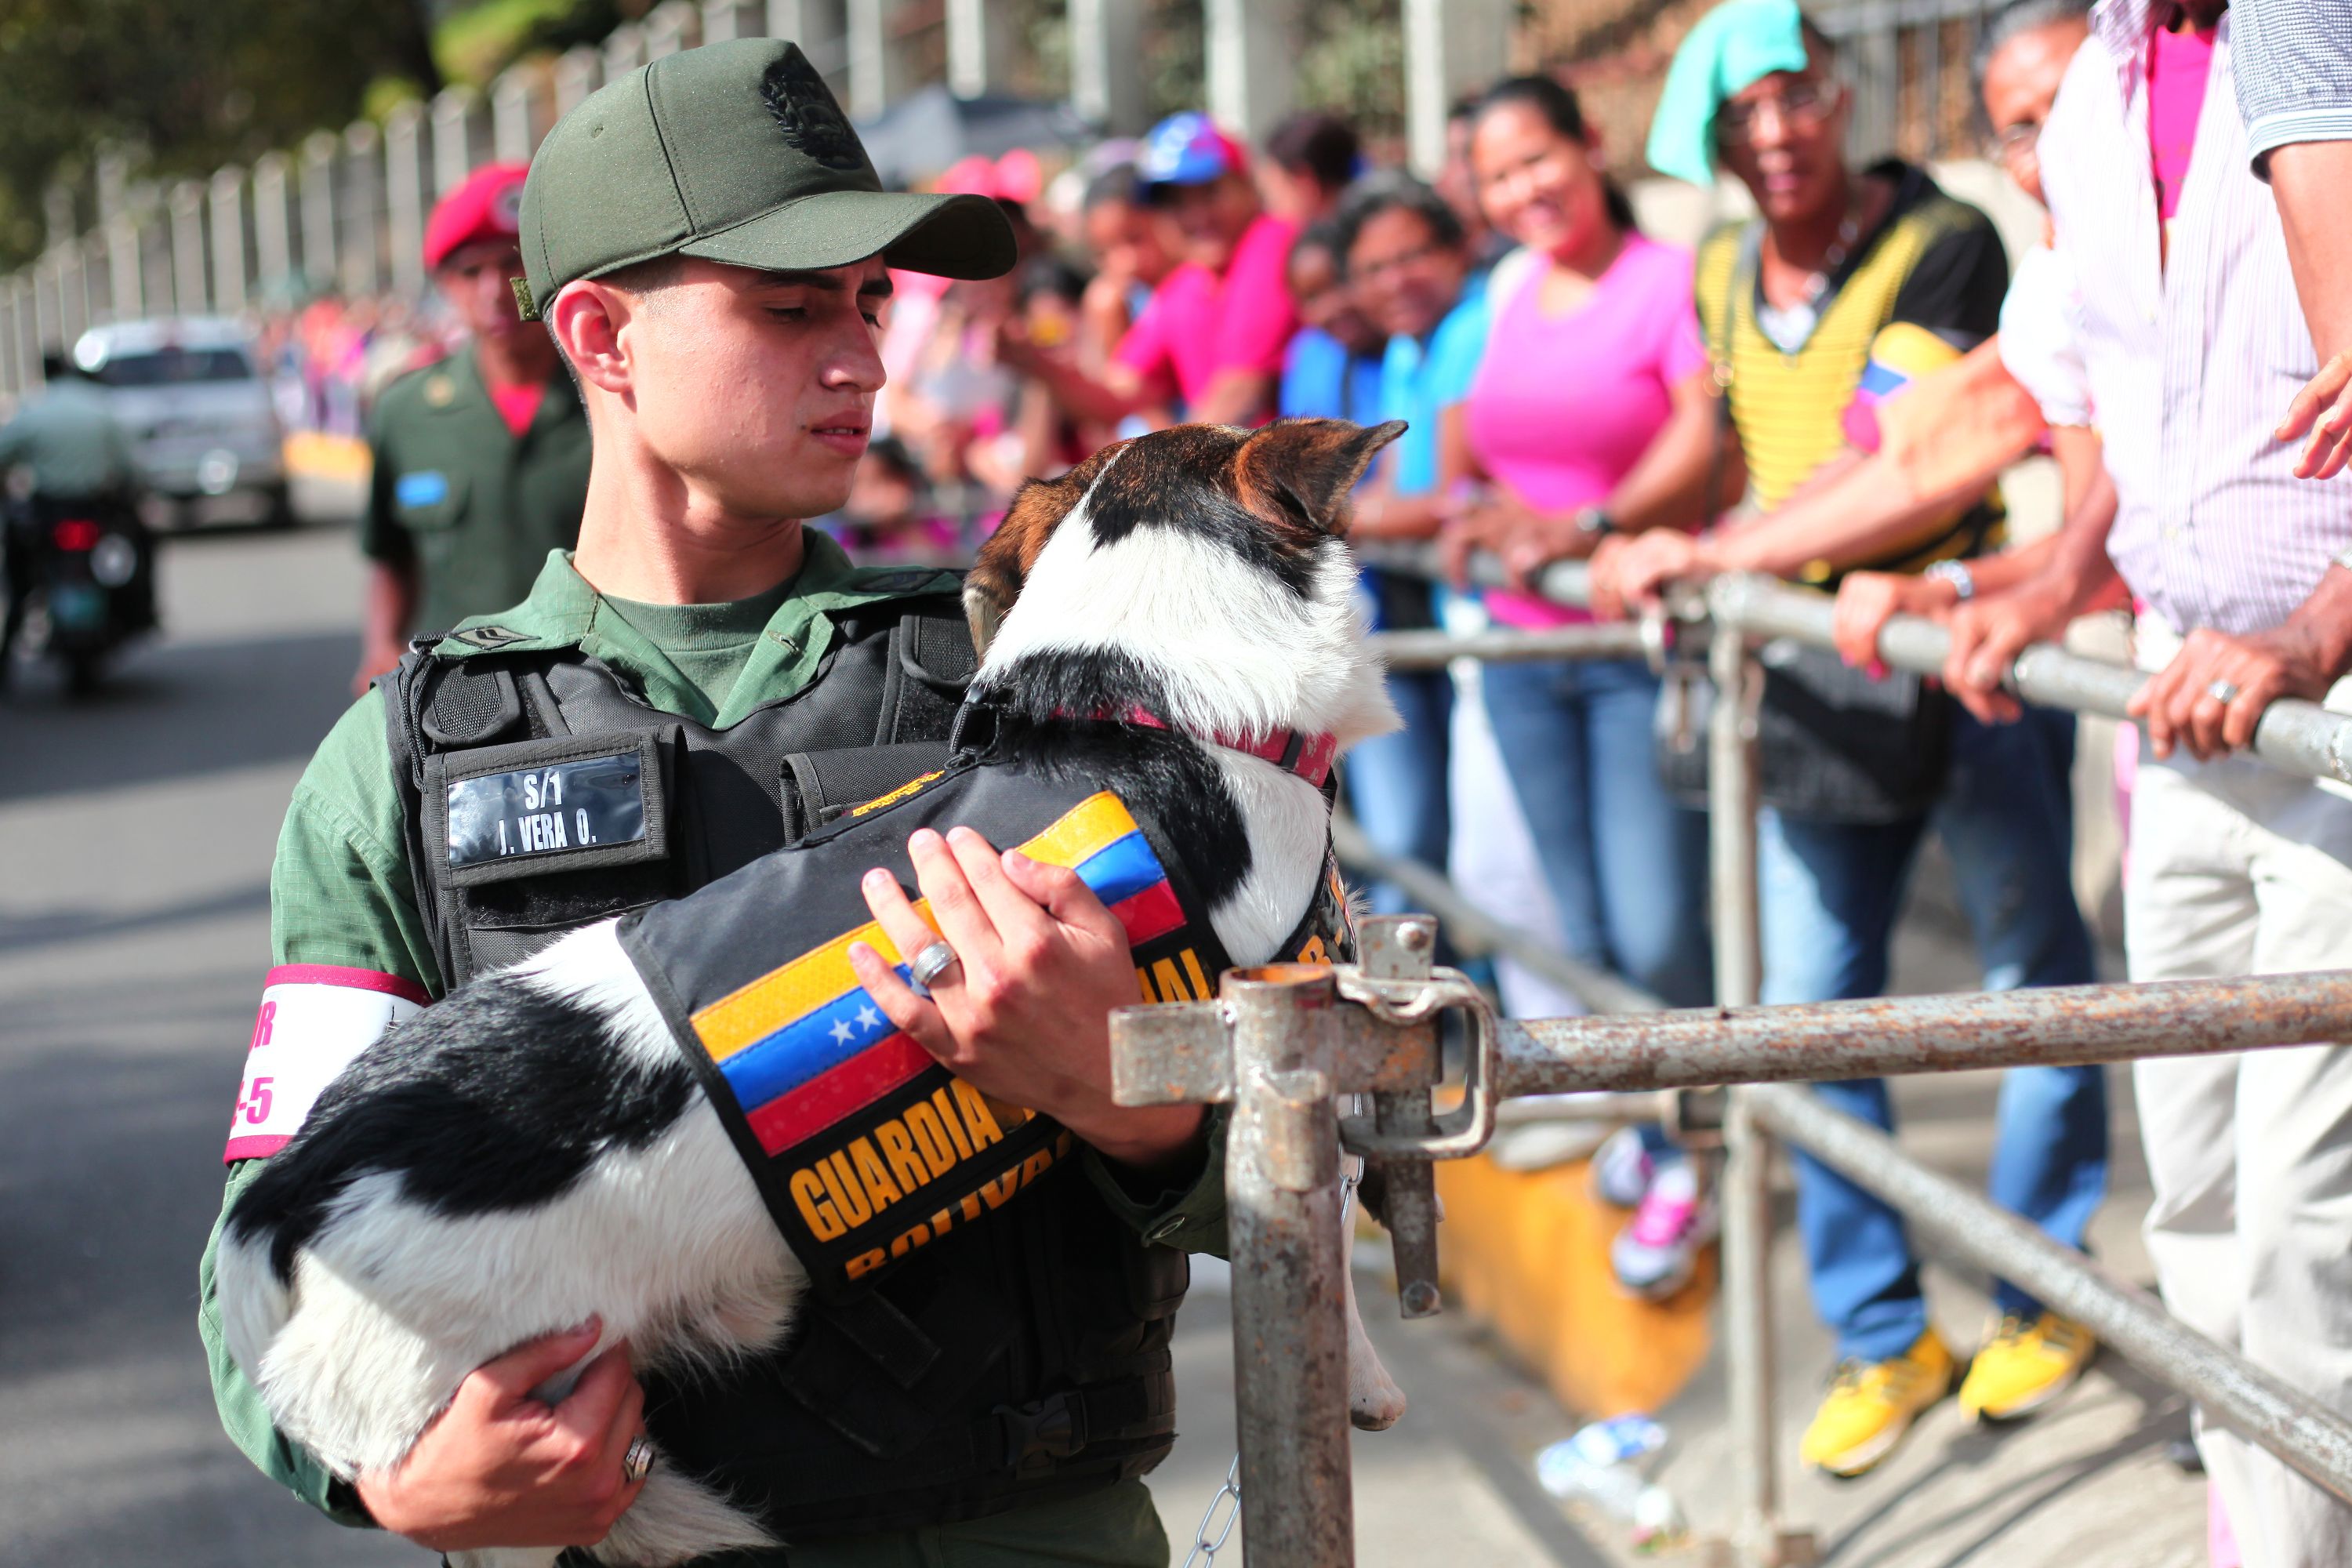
<point x="480" y="457"/>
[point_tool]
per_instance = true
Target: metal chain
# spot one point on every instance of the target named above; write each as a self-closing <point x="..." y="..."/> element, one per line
<point x="1204" y="1549"/>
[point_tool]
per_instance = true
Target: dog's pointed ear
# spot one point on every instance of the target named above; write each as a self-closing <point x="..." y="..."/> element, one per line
<point x="991" y="587"/>
<point x="1304" y="468"/>
<point x="985" y="604"/>
<point x="1002" y="565"/>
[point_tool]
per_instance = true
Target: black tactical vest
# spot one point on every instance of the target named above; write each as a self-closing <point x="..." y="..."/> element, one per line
<point x="1003" y="1364"/>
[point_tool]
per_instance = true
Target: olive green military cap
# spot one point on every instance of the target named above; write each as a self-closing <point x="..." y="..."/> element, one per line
<point x="734" y="153"/>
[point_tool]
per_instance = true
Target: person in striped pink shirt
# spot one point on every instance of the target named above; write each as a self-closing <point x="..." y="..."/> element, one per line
<point x="2192" y="343"/>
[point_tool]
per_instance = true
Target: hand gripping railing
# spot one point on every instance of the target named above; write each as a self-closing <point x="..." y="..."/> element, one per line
<point x="1282" y="1046"/>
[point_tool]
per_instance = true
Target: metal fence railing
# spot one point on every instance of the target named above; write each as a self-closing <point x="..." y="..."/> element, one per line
<point x="1282" y="1046"/>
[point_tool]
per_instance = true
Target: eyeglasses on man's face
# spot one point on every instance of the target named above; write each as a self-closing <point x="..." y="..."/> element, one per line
<point x="2014" y="143"/>
<point x="1803" y="101"/>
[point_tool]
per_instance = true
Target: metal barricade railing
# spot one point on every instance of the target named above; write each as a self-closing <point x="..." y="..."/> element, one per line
<point x="1284" y="1045"/>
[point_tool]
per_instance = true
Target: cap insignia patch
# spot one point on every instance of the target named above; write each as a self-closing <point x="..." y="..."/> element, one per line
<point x="804" y="110"/>
<point x="440" y="392"/>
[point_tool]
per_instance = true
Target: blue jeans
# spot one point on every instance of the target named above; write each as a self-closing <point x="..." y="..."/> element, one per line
<point x="1626" y="865"/>
<point x="1831" y="893"/>
<point x="1396" y="783"/>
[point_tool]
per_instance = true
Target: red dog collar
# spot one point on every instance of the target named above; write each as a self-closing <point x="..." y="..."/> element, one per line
<point x="1309" y="756"/>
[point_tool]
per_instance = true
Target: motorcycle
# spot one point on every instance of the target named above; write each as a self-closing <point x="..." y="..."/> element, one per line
<point x="89" y="581"/>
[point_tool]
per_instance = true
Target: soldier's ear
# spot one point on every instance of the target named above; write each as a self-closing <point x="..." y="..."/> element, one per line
<point x="585" y="317"/>
<point x="1300" y="471"/>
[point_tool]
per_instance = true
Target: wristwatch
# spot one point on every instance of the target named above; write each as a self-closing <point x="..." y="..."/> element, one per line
<point x="1593" y="521"/>
<point x="1955" y="573"/>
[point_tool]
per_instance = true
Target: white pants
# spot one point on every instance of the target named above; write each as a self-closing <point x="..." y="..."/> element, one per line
<point x="2239" y="869"/>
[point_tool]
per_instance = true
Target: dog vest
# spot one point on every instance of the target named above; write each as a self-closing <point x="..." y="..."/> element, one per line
<point x="865" y="1148"/>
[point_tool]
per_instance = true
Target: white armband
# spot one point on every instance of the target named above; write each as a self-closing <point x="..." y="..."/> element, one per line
<point x="314" y="1019"/>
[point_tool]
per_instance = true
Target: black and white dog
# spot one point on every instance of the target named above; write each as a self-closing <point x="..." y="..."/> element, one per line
<point x="1196" y="580"/>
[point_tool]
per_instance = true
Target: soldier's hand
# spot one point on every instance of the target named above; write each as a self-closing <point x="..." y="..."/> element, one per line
<point x="499" y="1467"/>
<point x="1025" y="1016"/>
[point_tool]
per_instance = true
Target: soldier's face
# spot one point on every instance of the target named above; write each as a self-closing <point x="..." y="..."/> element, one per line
<point x="758" y="387"/>
<point x="477" y="280"/>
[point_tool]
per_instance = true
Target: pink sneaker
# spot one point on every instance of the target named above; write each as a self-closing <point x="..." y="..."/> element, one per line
<point x="1654" y="1254"/>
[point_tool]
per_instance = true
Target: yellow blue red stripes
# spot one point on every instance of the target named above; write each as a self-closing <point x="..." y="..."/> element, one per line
<point x="804" y="1044"/>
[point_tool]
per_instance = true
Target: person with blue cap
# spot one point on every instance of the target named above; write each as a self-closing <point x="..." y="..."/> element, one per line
<point x="1848" y="285"/>
<point x="1212" y="339"/>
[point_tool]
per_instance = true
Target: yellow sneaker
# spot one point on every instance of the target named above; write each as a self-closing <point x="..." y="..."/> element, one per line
<point x="1870" y="1405"/>
<point x="2027" y="1364"/>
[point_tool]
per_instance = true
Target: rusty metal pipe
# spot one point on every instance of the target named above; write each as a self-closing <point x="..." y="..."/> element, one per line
<point x="1617" y="1108"/>
<point x="2302" y="1432"/>
<point x="2055" y="1026"/>
<point x="1290" y="1333"/>
<point x="1734" y="773"/>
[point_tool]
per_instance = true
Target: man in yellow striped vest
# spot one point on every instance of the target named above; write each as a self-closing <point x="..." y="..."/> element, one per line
<point x="1846" y="287"/>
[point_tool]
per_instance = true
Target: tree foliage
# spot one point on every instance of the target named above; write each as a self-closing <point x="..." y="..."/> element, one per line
<point x="181" y="86"/>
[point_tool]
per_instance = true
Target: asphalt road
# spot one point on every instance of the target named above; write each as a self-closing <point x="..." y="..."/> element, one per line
<point x="135" y="835"/>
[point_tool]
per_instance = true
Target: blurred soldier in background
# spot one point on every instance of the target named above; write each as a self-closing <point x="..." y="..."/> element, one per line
<point x="76" y="452"/>
<point x="481" y="458"/>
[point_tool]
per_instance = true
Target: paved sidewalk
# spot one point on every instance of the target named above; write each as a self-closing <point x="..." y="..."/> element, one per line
<point x="2084" y="1485"/>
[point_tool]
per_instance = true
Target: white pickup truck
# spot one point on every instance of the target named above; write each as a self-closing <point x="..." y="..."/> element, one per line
<point x="198" y="413"/>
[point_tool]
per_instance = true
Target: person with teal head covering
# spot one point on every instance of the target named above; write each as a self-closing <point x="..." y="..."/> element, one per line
<point x="1734" y="47"/>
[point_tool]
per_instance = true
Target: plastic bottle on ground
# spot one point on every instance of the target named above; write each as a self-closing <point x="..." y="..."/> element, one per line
<point x="1598" y="1470"/>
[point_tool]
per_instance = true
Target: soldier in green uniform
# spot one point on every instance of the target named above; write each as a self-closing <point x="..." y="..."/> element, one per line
<point x="706" y="240"/>
<point x="480" y="459"/>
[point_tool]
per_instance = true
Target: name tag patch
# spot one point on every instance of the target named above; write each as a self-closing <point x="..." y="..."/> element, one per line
<point x="314" y="1018"/>
<point x="560" y="806"/>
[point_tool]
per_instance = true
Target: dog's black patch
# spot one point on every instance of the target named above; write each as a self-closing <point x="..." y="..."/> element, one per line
<point x="497" y="1097"/>
<point x="1054" y="683"/>
<point x="1167" y="776"/>
<point x="1138" y="494"/>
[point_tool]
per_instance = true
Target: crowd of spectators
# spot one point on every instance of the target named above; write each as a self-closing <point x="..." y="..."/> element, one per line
<point x="1828" y="392"/>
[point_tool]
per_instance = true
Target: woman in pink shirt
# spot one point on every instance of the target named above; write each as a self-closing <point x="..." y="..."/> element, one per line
<point x="1591" y="414"/>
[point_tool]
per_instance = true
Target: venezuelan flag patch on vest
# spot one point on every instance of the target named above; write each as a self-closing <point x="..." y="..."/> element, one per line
<point x="867" y="1148"/>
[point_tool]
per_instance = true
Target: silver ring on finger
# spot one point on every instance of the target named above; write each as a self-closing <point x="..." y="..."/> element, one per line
<point x="637" y="1459"/>
<point x="2223" y="691"/>
<point x="936" y="959"/>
